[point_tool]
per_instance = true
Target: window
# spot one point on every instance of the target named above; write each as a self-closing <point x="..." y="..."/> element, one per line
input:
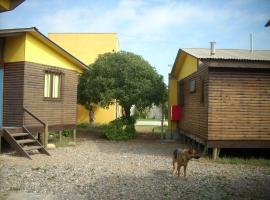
<point x="52" y="85"/>
<point x="181" y="93"/>
<point x="192" y="85"/>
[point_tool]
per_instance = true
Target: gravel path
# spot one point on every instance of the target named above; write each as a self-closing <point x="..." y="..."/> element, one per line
<point x="138" y="169"/>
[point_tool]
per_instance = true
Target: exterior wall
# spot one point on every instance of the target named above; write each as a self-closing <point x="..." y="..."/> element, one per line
<point x="239" y="105"/>
<point x="194" y="112"/>
<point x="13" y="82"/>
<point x="86" y="46"/>
<point x="39" y="52"/>
<point x="14" y="50"/>
<point x="101" y="116"/>
<point x="24" y="86"/>
<point x="172" y="100"/>
<point x="5" y="4"/>
<point x="185" y="66"/>
<point x="59" y="112"/>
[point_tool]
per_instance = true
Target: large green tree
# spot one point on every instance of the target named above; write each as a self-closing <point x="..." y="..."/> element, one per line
<point x="123" y="76"/>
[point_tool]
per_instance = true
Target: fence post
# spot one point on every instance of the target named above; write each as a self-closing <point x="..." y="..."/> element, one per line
<point x="74" y="135"/>
<point x="46" y="135"/>
<point x="0" y="143"/>
<point x="60" y="137"/>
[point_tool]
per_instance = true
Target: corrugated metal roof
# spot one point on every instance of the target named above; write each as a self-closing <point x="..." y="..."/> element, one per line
<point x="229" y="54"/>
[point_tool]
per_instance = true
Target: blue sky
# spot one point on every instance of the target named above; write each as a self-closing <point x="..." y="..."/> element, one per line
<point x="155" y="29"/>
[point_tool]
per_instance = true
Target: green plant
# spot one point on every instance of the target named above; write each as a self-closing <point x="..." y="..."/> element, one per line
<point x="120" y="129"/>
<point x="67" y="133"/>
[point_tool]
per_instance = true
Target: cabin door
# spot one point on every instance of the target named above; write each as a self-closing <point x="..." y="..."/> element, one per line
<point x="1" y="96"/>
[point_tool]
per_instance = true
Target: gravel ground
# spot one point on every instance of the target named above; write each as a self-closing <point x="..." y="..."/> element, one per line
<point x="138" y="169"/>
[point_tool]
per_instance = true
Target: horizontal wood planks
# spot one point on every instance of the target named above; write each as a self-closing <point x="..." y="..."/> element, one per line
<point x="13" y="93"/>
<point x="194" y="112"/>
<point x="239" y="105"/>
<point x="24" y="86"/>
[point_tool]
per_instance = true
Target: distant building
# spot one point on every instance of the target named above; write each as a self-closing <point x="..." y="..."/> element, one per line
<point x="87" y="47"/>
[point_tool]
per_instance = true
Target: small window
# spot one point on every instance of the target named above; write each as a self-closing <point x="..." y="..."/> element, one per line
<point x="52" y="85"/>
<point x="181" y="93"/>
<point x="192" y="85"/>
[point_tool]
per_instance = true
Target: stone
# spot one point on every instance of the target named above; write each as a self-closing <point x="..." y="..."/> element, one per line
<point x="51" y="146"/>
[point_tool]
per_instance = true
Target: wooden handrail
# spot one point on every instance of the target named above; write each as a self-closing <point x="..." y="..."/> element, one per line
<point x="34" y="116"/>
<point x="45" y="125"/>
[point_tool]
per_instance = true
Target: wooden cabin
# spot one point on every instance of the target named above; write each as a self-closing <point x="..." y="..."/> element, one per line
<point x="38" y="82"/>
<point x="224" y="97"/>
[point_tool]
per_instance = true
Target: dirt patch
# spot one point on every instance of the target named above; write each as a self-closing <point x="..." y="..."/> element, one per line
<point x="138" y="169"/>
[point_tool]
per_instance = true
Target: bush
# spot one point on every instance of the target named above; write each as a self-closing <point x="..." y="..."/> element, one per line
<point x="120" y="129"/>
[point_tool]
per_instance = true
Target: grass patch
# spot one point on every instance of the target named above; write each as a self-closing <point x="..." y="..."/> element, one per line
<point x="150" y="129"/>
<point x="89" y="128"/>
<point x="149" y="120"/>
<point x="242" y="161"/>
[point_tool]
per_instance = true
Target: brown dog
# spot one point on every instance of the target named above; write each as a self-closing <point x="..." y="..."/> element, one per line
<point x="181" y="157"/>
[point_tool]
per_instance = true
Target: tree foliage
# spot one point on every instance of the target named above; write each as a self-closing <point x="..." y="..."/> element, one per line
<point x="123" y="76"/>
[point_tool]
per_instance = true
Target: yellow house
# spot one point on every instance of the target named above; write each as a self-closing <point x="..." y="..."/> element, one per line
<point x="7" y="5"/>
<point x="87" y="47"/>
<point x="38" y="88"/>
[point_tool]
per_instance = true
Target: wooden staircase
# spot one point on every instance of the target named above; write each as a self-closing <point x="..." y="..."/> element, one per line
<point x="21" y="140"/>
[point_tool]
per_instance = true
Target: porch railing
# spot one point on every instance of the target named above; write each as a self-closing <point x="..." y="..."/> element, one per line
<point x="44" y="138"/>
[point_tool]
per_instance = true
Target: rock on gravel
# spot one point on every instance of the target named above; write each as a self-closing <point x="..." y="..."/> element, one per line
<point x="137" y="169"/>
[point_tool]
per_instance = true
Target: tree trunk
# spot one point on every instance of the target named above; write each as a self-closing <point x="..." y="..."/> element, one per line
<point x="127" y="112"/>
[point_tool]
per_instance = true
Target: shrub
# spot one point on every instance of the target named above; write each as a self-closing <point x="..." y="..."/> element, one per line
<point x="67" y="133"/>
<point x="120" y="129"/>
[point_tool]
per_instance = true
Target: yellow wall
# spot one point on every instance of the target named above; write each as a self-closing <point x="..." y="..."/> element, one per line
<point x="101" y="116"/>
<point x="4" y="4"/>
<point x="86" y="46"/>
<point x="39" y="52"/>
<point x="14" y="48"/>
<point x="185" y="66"/>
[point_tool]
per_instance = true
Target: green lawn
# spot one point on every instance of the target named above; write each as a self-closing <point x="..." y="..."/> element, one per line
<point x="150" y="129"/>
<point x="242" y="161"/>
<point x="149" y="120"/>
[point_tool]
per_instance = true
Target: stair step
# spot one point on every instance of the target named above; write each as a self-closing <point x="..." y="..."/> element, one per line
<point x="19" y="134"/>
<point x="29" y="148"/>
<point x="15" y="130"/>
<point x="26" y="141"/>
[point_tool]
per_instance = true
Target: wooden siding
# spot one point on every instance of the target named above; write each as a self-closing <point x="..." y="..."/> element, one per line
<point x="239" y="104"/>
<point x="194" y="112"/>
<point x="54" y="112"/>
<point x="13" y="93"/>
<point x="24" y="86"/>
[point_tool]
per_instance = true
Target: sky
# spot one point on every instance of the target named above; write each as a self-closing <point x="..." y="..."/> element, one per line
<point x="154" y="29"/>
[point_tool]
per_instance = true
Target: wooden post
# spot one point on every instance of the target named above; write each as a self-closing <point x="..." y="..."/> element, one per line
<point x="205" y="150"/>
<point x="0" y="143"/>
<point x="215" y="153"/>
<point x="74" y="135"/>
<point x="46" y="135"/>
<point x="60" y="136"/>
<point x="198" y="146"/>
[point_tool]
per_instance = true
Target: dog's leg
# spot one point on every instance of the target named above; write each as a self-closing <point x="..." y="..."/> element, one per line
<point x="185" y="171"/>
<point x="178" y="170"/>
<point x="174" y="168"/>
